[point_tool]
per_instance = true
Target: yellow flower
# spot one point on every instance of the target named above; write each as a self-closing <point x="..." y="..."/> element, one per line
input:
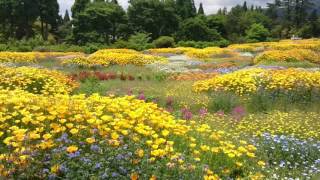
<point x="140" y="153"/>
<point x="251" y="155"/>
<point x="165" y="133"/>
<point x="90" y="140"/>
<point x="261" y="163"/>
<point x="74" y="131"/>
<point x="72" y="149"/>
<point x="239" y="164"/>
<point x="153" y="177"/>
<point x="55" y="169"/>
<point x="193" y="145"/>
<point x="47" y="136"/>
<point x="114" y="136"/>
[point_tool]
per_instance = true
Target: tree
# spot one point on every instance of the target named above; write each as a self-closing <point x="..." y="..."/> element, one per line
<point x="98" y="22"/>
<point x="233" y="24"/>
<point x="24" y="13"/>
<point x="114" y="1"/>
<point x="186" y="8"/>
<point x="217" y="22"/>
<point x="314" y="23"/>
<point x="49" y="15"/>
<point x="78" y="7"/>
<point x="196" y="29"/>
<point x="245" y="7"/>
<point x="66" y="17"/>
<point x="153" y="16"/>
<point x="256" y="33"/>
<point x="201" y="11"/>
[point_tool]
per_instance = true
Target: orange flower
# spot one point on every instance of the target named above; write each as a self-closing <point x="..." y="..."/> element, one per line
<point x="134" y="176"/>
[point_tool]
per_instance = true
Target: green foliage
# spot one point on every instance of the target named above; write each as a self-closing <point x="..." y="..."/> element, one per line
<point x="203" y="44"/>
<point x="186" y="8"/>
<point x="106" y="22"/>
<point x="257" y="32"/>
<point x="201" y="10"/>
<point x="139" y="41"/>
<point x="98" y="22"/>
<point x="155" y="17"/>
<point x="164" y="42"/>
<point x="196" y="29"/>
<point x="260" y="102"/>
<point x="224" y="102"/>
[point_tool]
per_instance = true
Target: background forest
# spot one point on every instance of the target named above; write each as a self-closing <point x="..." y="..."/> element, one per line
<point x="27" y="25"/>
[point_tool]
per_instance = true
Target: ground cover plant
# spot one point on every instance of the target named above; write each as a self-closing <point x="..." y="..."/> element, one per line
<point x="171" y="113"/>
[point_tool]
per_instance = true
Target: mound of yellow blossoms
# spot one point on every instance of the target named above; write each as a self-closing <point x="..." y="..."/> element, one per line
<point x="18" y="57"/>
<point x="178" y="50"/>
<point x="31" y="124"/>
<point x="37" y="81"/>
<point x="307" y="44"/>
<point x="116" y="56"/>
<point x="252" y="80"/>
<point x="293" y="123"/>
<point x="249" y="47"/>
<point x="31" y="57"/>
<point x="210" y="52"/>
<point x="292" y="55"/>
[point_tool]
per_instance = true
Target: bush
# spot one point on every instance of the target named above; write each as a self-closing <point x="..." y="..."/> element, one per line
<point x="203" y="44"/>
<point x="59" y="48"/>
<point x="120" y="44"/>
<point x="223" y="101"/>
<point x="3" y="47"/>
<point x="139" y="41"/>
<point x="164" y="42"/>
<point x="257" y="33"/>
<point x="260" y="102"/>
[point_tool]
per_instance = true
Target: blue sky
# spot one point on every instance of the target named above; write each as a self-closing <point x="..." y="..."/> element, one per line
<point x="211" y="6"/>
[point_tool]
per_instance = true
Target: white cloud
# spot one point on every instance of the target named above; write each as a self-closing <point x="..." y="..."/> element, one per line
<point x="210" y="6"/>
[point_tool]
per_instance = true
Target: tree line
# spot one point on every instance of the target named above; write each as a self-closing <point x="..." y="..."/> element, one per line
<point x="106" y="22"/>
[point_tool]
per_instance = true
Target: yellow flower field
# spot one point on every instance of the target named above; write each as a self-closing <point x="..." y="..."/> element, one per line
<point x="38" y="81"/>
<point x="115" y="56"/>
<point x="252" y="80"/>
<point x="35" y="124"/>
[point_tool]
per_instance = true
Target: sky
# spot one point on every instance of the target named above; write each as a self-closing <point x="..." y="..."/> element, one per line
<point x="211" y="6"/>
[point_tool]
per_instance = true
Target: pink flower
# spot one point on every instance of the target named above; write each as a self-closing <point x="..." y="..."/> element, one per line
<point x="203" y="112"/>
<point x="186" y="114"/>
<point x="238" y="112"/>
<point x="142" y="96"/>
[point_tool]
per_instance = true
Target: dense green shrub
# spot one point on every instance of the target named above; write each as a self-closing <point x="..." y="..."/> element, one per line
<point x="139" y="41"/>
<point x="203" y="44"/>
<point x="164" y="42"/>
<point x="224" y="102"/>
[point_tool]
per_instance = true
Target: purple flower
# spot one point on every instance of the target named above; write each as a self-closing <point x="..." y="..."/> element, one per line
<point x="85" y="160"/>
<point x="119" y="157"/>
<point x="45" y="171"/>
<point x="95" y="148"/>
<point x="123" y="170"/>
<point x="74" y="155"/>
<point x="114" y="174"/>
<point x="63" y="168"/>
<point x="98" y="165"/>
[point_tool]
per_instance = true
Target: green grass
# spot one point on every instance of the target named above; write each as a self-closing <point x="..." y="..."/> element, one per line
<point x="300" y="64"/>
